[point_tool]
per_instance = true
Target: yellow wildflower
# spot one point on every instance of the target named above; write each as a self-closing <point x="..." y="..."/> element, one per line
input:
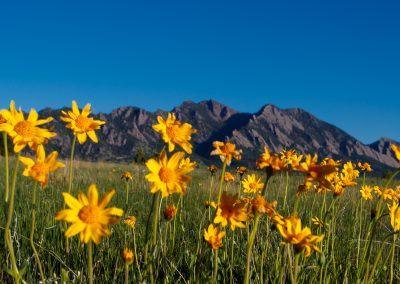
<point x="170" y="212"/>
<point x="127" y="256"/>
<point x="81" y="124"/>
<point x="130" y="221"/>
<point x="39" y="170"/>
<point x="396" y="151"/>
<point x="226" y="151"/>
<point x="365" y="167"/>
<point x="394" y="212"/>
<point x="214" y="237"/>
<point x="127" y="176"/>
<point x="229" y="177"/>
<point x="25" y="131"/>
<point x="366" y="192"/>
<point x="300" y="238"/>
<point x="166" y="176"/>
<point x="88" y="216"/>
<point x="252" y="184"/>
<point x="231" y="211"/>
<point x="174" y="132"/>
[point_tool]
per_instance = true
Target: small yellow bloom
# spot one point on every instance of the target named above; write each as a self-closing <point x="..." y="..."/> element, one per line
<point x="231" y="211"/>
<point x="273" y="162"/>
<point x="252" y="184"/>
<point x="130" y="221"/>
<point x="210" y="204"/>
<point x="166" y="176"/>
<point x="226" y="151"/>
<point x="81" y="124"/>
<point x="394" y="212"/>
<point x="241" y="170"/>
<point x="318" y="222"/>
<point x="127" y="256"/>
<point x="229" y="177"/>
<point x="261" y="206"/>
<point x="187" y="164"/>
<point x="88" y="216"/>
<point x="366" y="192"/>
<point x="212" y="169"/>
<point x="39" y="170"/>
<point x="396" y="151"/>
<point x="170" y="212"/>
<point x="127" y="176"/>
<point x="365" y="167"/>
<point x="174" y="132"/>
<point x="300" y="238"/>
<point x="214" y="237"/>
<point x="25" y="131"/>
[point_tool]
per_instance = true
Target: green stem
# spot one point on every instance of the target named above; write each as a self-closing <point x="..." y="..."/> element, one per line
<point x="126" y="194"/>
<point x="296" y="267"/>
<point x="221" y="182"/>
<point x="392" y="258"/>
<point x="7" y="166"/>
<point x="33" y="224"/>
<point x="7" y="234"/>
<point x="209" y="197"/>
<point x="215" y="273"/>
<point x="286" y="190"/>
<point x="71" y="159"/>
<point x="231" y="261"/>
<point x="370" y="274"/>
<point x="250" y="243"/>
<point x="127" y="273"/>
<point x="136" y="255"/>
<point x="90" y="261"/>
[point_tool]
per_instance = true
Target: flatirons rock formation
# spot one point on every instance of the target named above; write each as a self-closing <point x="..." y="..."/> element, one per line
<point x="128" y="129"/>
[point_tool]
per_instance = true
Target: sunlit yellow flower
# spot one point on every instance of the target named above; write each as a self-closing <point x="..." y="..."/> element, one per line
<point x="174" y="132"/>
<point x="321" y="173"/>
<point x="365" y="167"/>
<point x="25" y="131"/>
<point x="214" y="237"/>
<point x="273" y="162"/>
<point x="210" y="203"/>
<point x="366" y="192"/>
<point x="81" y="124"/>
<point x="396" y="151"/>
<point x="318" y="222"/>
<point x="39" y="170"/>
<point x="261" y="206"/>
<point x="386" y="193"/>
<point x="127" y="256"/>
<point x="290" y="157"/>
<point x="127" y="176"/>
<point x="241" y="170"/>
<point x="226" y="151"/>
<point x="231" y="211"/>
<point x="187" y="164"/>
<point x="212" y="169"/>
<point x="88" y="216"/>
<point x="394" y="212"/>
<point x="229" y="177"/>
<point x="130" y="221"/>
<point x="166" y="176"/>
<point x="301" y="239"/>
<point x="170" y="212"/>
<point x="252" y="184"/>
<point x="349" y="174"/>
<point x="2" y="119"/>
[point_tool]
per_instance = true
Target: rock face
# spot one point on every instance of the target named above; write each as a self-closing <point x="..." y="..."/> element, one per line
<point x="128" y="129"/>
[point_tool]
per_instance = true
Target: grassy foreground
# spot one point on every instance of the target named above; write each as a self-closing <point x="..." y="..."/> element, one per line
<point x="182" y="255"/>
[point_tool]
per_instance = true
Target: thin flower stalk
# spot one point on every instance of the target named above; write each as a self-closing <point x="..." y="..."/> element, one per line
<point x="7" y="193"/>
<point x="70" y="179"/>
<point x="7" y="234"/>
<point x="33" y="225"/>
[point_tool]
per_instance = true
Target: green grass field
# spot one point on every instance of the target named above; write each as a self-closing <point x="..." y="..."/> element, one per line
<point x="187" y="258"/>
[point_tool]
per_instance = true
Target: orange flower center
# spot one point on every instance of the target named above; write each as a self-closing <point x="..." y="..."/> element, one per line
<point x="83" y="122"/>
<point x="172" y="131"/>
<point x="25" y="129"/>
<point x="40" y="168"/>
<point x="253" y="185"/>
<point x="89" y="214"/>
<point x="166" y="175"/>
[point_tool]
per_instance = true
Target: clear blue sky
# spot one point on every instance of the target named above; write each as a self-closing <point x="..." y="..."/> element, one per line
<point x="340" y="60"/>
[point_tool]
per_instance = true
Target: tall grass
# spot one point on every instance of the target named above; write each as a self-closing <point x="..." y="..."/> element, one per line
<point x="188" y="258"/>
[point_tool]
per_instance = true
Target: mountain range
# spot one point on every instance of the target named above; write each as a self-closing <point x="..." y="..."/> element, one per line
<point x="128" y="131"/>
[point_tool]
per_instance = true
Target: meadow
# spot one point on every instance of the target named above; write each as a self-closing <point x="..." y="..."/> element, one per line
<point x="302" y="220"/>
